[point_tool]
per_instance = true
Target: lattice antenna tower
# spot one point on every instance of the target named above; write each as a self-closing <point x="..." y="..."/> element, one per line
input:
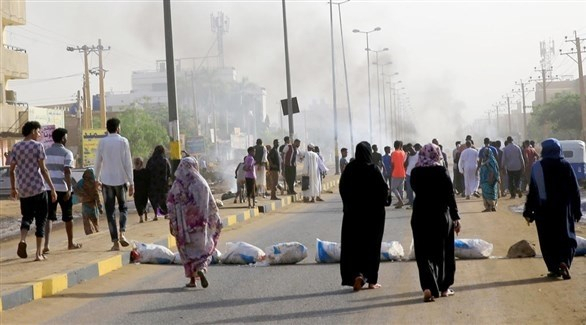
<point x="547" y="51"/>
<point x="220" y="26"/>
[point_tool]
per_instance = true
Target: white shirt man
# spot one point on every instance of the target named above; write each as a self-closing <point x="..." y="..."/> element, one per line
<point x="113" y="172"/>
<point x="313" y="167"/>
<point x="467" y="166"/>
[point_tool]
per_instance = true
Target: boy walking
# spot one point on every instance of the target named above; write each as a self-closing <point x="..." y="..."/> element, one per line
<point x="29" y="156"/>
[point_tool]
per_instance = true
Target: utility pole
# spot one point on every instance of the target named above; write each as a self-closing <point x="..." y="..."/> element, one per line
<point x="508" y="110"/>
<point x="175" y="145"/>
<point x="87" y="109"/>
<point x="578" y="52"/>
<point x="522" y="91"/>
<point x="544" y="78"/>
<point x="87" y="116"/>
<point x="496" y="107"/>
<point x="102" y="95"/>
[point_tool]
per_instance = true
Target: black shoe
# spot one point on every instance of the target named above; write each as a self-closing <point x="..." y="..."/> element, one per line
<point x="512" y="196"/>
<point x="520" y="194"/>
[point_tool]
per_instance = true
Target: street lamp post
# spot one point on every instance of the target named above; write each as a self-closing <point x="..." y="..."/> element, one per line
<point x="336" y="155"/>
<point x="346" y="80"/>
<point x="288" y="73"/>
<point x="386" y="120"/>
<point x="380" y="127"/>
<point x="376" y="29"/>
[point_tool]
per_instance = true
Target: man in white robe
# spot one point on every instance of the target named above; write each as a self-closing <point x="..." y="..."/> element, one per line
<point x="313" y="167"/>
<point x="467" y="166"/>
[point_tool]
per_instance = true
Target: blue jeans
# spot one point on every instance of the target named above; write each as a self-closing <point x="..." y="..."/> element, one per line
<point x="111" y="194"/>
<point x="409" y="190"/>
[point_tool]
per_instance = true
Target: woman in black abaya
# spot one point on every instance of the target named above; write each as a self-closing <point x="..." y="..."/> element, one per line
<point x="364" y="196"/>
<point x="554" y="204"/>
<point x="433" y="221"/>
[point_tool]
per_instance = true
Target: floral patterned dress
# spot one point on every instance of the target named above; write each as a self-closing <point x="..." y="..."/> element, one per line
<point x="194" y="218"/>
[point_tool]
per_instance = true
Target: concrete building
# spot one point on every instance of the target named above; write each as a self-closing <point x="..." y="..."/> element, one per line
<point x="220" y="103"/>
<point x="13" y="65"/>
<point x="554" y="89"/>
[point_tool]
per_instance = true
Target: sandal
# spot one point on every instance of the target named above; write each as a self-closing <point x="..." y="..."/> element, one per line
<point x="427" y="296"/>
<point x="202" y="278"/>
<point x="75" y="246"/>
<point x="374" y="286"/>
<point x="358" y="283"/>
<point x="565" y="271"/>
<point x="21" y="252"/>
<point x="45" y="251"/>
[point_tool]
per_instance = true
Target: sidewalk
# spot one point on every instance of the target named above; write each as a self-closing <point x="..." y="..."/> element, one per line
<point x="23" y="280"/>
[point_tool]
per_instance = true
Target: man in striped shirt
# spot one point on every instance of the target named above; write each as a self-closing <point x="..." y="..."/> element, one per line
<point x="59" y="162"/>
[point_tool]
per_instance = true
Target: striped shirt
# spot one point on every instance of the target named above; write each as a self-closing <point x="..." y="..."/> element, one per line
<point x="59" y="158"/>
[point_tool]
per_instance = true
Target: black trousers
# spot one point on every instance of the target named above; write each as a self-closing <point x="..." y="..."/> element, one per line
<point x="514" y="181"/>
<point x="290" y="174"/>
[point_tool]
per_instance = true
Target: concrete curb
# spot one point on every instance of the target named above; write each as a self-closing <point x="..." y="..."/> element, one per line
<point x="52" y="285"/>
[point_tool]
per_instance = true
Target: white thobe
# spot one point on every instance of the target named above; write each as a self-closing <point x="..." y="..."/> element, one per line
<point x="467" y="166"/>
<point x="313" y="167"/>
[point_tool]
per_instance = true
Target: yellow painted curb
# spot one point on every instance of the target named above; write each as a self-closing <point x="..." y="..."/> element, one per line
<point x="232" y="220"/>
<point x="54" y="284"/>
<point x="109" y="265"/>
<point x="37" y="290"/>
<point x="246" y="214"/>
<point x="171" y="243"/>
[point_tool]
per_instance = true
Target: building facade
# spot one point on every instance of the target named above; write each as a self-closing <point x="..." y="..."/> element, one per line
<point x="13" y="65"/>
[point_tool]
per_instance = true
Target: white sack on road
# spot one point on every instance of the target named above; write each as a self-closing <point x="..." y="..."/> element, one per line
<point x="391" y="251"/>
<point x="472" y="248"/>
<point x="152" y="254"/>
<point x="242" y="253"/>
<point x="286" y="253"/>
<point x="327" y="251"/>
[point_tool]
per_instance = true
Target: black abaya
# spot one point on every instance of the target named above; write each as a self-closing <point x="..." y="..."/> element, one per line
<point x="434" y="210"/>
<point x="364" y="196"/>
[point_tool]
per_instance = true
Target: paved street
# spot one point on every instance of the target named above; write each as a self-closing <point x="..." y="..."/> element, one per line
<point x="487" y="291"/>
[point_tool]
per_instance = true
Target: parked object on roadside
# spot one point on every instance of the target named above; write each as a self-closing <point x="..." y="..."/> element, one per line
<point x="472" y="248"/>
<point x="327" y="251"/>
<point x="520" y="249"/>
<point x="286" y="253"/>
<point x="242" y="253"/>
<point x="391" y="251"/>
<point x="152" y="254"/>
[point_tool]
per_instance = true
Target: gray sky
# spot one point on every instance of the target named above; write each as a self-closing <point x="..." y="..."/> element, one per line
<point x="455" y="58"/>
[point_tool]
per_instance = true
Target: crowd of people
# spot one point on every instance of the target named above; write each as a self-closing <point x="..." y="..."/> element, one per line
<point x="264" y="165"/>
<point x="416" y="176"/>
<point x="553" y="202"/>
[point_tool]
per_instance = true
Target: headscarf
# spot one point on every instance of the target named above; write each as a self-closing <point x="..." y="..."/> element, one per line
<point x="86" y="187"/>
<point x="187" y="171"/>
<point x="489" y="158"/>
<point x="430" y="155"/>
<point x="551" y="149"/>
<point x="138" y="163"/>
<point x="190" y="201"/>
<point x="363" y="153"/>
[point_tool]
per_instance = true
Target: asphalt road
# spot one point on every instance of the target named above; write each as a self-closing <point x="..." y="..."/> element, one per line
<point x="307" y="293"/>
<point x="490" y="291"/>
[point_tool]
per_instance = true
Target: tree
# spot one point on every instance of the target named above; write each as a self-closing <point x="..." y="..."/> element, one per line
<point x="560" y="118"/>
<point x="143" y="131"/>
